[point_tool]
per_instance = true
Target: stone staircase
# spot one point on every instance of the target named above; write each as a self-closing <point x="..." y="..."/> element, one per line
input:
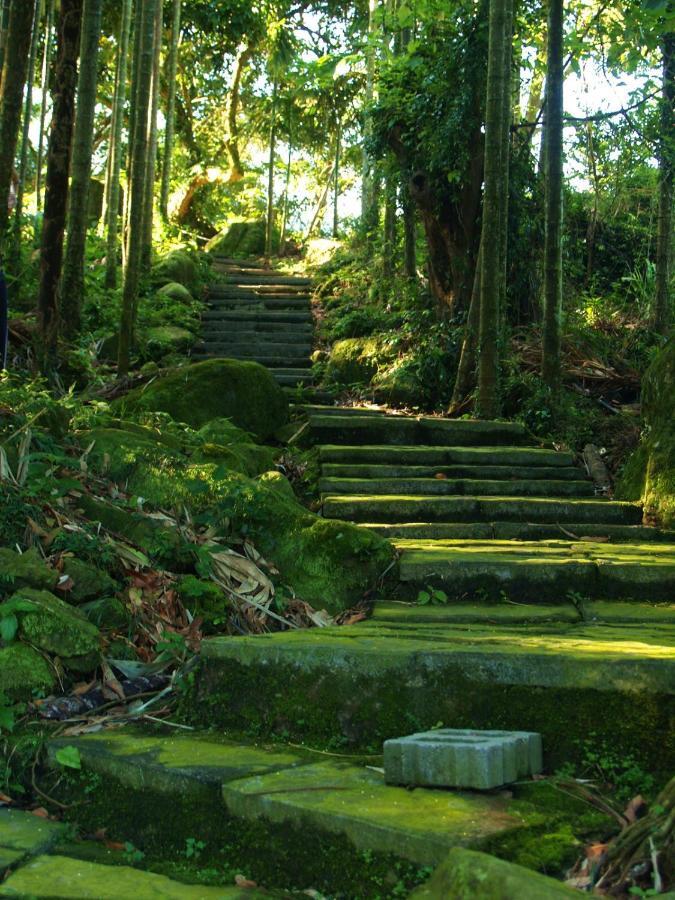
<point x="255" y="313"/>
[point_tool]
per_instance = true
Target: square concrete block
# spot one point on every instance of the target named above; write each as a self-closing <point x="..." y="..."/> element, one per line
<point x="462" y="758"/>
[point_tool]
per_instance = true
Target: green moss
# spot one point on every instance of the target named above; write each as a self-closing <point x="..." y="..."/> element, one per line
<point x="205" y="600"/>
<point x="649" y="474"/>
<point x="164" y="339"/>
<point x="244" y="392"/>
<point x="24" y="671"/>
<point x="108" y="613"/>
<point x="177" y="267"/>
<point x="241" y="240"/>
<point x="177" y="292"/>
<point x="56" y="627"/>
<point x="27" y="569"/>
<point x="355" y="360"/>
<point x="88" y="581"/>
<point x="222" y="439"/>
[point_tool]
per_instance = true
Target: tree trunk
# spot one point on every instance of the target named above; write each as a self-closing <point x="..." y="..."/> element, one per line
<point x="336" y="179"/>
<point x="284" y="219"/>
<point x="493" y="208"/>
<point x="25" y="136"/>
<point x="553" y="155"/>
<point x="508" y="111"/>
<point x="71" y="292"/>
<point x="389" y="234"/>
<point x="142" y="94"/>
<point x="536" y="90"/>
<point x="320" y="203"/>
<point x="44" y="80"/>
<point x="115" y="162"/>
<point x="4" y="22"/>
<point x="11" y="95"/>
<point x="232" y="107"/>
<point x="269" y="224"/>
<point x="58" y="168"/>
<point x="153" y="143"/>
<point x="369" y="206"/>
<point x="133" y="105"/>
<point x="465" y="379"/>
<point x="662" y="312"/>
<point x="172" y="71"/>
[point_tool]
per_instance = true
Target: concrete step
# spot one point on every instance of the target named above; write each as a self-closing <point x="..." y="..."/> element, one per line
<point x="516" y="531"/>
<point x="237" y="293"/>
<point x="480" y="509"/>
<point x="258" y="279"/>
<point x="216" y="344"/>
<point x="245" y="303"/>
<point x="446" y="487"/>
<point x="541" y="571"/>
<point x="424" y="430"/>
<point x="264" y="358"/>
<point x="329" y="822"/>
<point x="501" y="473"/>
<point x="267" y="317"/>
<point x="372" y="681"/>
<point x="274" y="334"/>
<point x="286" y="380"/>
<point x="444" y="456"/>
<point x="315" y="394"/>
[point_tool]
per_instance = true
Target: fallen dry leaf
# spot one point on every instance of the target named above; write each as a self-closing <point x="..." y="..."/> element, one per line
<point x="243" y="882"/>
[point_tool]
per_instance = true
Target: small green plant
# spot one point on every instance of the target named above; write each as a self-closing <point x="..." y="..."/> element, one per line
<point x="194" y="848"/>
<point x="132" y="854"/>
<point x="432" y="597"/>
<point x="9" y="622"/>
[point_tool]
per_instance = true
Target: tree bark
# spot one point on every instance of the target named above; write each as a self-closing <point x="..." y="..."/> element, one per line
<point x="172" y="72"/>
<point x="11" y="95"/>
<point x="662" y="312"/>
<point x="507" y="119"/>
<point x="71" y="292"/>
<point x="369" y="206"/>
<point x="58" y="167"/>
<point x="232" y="107"/>
<point x="44" y="79"/>
<point x="153" y="143"/>
<point x="320" y="203"/>
<point x="4" y="22"/>
<point x="493" y="208"/>
<point x="25" y="136"/>
<point x="336" y="179"/>
<point x="142" y="94"/>
<point x="389" y="231"/>
<point x="553" y="155"/>
<point x="269" y="223"/>
<point x="465" y="379"/>
<point x="115" y="162"/>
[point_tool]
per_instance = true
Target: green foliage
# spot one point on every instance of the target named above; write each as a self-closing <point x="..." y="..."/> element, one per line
<point x="68" y="757"/>
<point x="9" y="622"/>
<point x="432" y="597"/>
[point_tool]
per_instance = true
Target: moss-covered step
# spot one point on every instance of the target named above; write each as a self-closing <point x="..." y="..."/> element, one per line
<point x="363" y="684"/>
<point x="517" y="531"/>
<point x="399" y="508"/>
<point x="260" y="327"/>
<point x="407" y="430"/>
<point x="289" y="338"/>
<point x="498" y="473"/>
<point x="328" y="822"/>
<point x="423" y="455"/>
<point x="266" y="316"/>
<point x="440" y="487"/>
<point x="23" y="835"/>
<point x="471" y="875"/>
<point x="539" y="571"/>
<point x="267" y="356"/>
<point x="509" y="613"/>
<point x="62" y="878"/>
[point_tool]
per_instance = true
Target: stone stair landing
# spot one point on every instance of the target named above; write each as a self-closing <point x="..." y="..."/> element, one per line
<point x="256" y="313"/>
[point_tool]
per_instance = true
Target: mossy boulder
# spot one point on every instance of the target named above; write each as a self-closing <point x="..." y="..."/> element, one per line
<point x="471" y="875"/>
<point x="23" y="671"/>
<point x="241" y="240"/>
<point x="278" y="482"/>
<point x="20" y="570"/>
<point x="164" y="339"/>
<point x="108" y="613"/>
<point x="89" y="581"/>
<point x="398" y="384"/>
<point x="233" y="447"/>
<point x="356" y="361"/>
<point x="56" y="627"/>
<point x="177" y="267"/>
<point x="205" y="600"/>
<point x="649" y="475"/>
<point x="244" y="392"/>
<point x="175" y="291"/>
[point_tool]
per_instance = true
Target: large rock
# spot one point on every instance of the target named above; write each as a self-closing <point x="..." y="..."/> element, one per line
<point x="355" y="361"/>
<point x="241" y="240"/>
<point x="24" y="671"/>
<point x="244" y="392"/>
<point x="55" y="627"/>
<point x="19" y="570"/>
<point x="179" y="267"/>
<point x="649" y="475"/>
<point x="175" y="291"/>
<point x="89" y="582"/>
<point x="161" y="340"/>
<point x="470" y="875"/>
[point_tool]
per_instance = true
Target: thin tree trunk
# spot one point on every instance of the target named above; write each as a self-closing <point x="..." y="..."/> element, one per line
<point x="465" y="379"/>
<point x="369" y="209"/>
<point x="4" y="22"/>
<point x="662" y="312"/>
<point x="133" y="104"/>
<point x="536" y="90"/>
<point x="25" y="136"/>
<point x="284" y="220"/>
<point x="58" y="167"/>
<point x="172" y="70"/>
<point x="591" y="231"/>
<point x="508" y="110"/>
<point x="11" y="95"/>
<point x="553" y="155"/>
<point x="389" y="230"/>
<point x="336" y="179"/>
<point x="44" y="79"/>
<point x="269" y="225"/>
<point x="320" y="204"/>
<point x="153" y="143"/>
<point x="71" y="291"/>
<point x="407" y="205"/>
<point x="232" y="107"/>
<point x="146" y="35"/>
<point x="115" y="164"/>
<point x="493" y="209"/>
